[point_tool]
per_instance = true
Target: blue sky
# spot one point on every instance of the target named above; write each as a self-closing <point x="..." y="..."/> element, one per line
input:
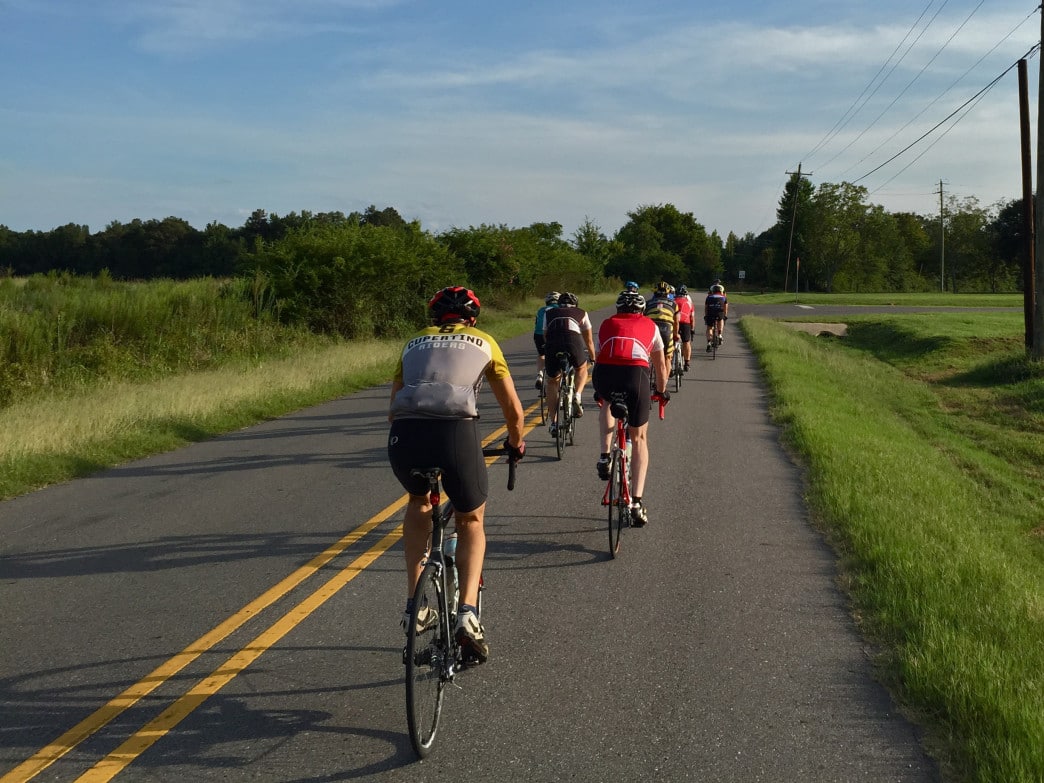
<point x="463" y="113"/>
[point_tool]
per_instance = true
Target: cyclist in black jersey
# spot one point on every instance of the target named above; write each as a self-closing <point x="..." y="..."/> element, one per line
<point x="434" y="422"/>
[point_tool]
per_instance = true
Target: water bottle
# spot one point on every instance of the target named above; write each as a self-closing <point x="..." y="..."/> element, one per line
<point x="627" y="450"/>
<point x="449" y="546"/>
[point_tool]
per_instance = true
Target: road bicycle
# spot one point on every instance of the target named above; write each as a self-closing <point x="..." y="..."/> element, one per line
<point x="432" y="655"/>
<point x="543" y="400"/>
<point x="715" y="339"/>
<point x="566" y="427"/>
<point x="677" y="367"/>
<point x="617" y="495"/>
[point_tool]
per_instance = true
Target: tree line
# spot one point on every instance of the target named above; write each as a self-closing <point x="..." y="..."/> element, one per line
<point x="320" y="269"/>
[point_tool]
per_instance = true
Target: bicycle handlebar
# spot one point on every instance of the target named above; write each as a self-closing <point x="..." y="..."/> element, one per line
<point x="501" y="451"/>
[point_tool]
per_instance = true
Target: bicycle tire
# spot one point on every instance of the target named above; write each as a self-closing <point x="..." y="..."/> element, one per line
<point x="616" y="504"/>
<point x="543" y="403"/>
<point x="677" y="369"/>
<point x="714" y="345"/>
<point x="429" y="653"/>
<point x="571" y="424"/>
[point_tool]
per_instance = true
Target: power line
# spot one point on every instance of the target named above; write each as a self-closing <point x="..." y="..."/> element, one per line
<point x="838" y="126"/>
<point x="957" y="111"/>
<point x="944" y="92"/>
<point x="909" y="49"/>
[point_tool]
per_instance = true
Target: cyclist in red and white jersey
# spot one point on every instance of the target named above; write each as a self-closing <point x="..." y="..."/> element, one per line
<point x="686" y="322"/>
<point x="628" y="344"/>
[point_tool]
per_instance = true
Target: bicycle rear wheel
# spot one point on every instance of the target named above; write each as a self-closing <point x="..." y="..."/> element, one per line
<point x="615" y="504"/>
<point x="428" y="655"/>
<point x="543" y="403"/>
<point x="677" y="368"/>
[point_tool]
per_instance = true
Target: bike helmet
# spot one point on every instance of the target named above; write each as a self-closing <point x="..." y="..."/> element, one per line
<point x="566" y="299"/>
<point x="717" y="289"/>
<point x="551" y="298"/>
<point x="631" y="286"/>
<point x="682" y="290"/>
<point x="455" y="303"/>
<point x="630" y="302"/>
<point x="663" y="288"/>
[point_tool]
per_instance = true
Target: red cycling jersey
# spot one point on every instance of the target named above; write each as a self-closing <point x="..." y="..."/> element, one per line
<point x="628" y="339"/>
<point x="685" y="309"/>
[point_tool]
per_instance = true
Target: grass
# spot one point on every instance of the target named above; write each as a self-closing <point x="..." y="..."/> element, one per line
<point x="937" y="299"/>
<point x="924" y="442"/>
<point x="46" y="438"/>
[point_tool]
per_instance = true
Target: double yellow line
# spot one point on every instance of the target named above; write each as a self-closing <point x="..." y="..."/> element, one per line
<point x="110" y="766"/>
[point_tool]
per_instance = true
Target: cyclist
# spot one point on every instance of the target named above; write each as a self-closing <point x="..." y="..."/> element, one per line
<point x="434" y="421"/>
<point x="628" y="344"/>
<point x="715" y="309"/>
<point x="661" y="309"/>
<point x="686" y="322"/>
<point x="551" y="300"/>
<point x="568" y="330"/>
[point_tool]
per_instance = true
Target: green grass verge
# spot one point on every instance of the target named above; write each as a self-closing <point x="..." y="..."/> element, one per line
<point x="57" y="436"/>
<point x="881" y="300"/>
<point x="924" y="442"/>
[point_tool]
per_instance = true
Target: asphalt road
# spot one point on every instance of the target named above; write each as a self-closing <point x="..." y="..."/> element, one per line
<point x="229" y="611"/>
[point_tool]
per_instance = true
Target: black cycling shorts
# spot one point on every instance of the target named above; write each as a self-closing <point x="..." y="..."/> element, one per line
<point x="685" y="330"/>
<point x="538" y="338"/>
<point x="713" y="318"/>
<point x="632" y="381"/>
<point x="450" y="444"/>
<point x="570" y="343"/>
<point x="667" y="335"/>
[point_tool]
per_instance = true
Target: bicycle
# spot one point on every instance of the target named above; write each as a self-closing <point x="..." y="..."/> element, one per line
<point x="566" y="427"/>
<point x="677" y="367"/>
<point x="543" y="401"/>
<point x="432" y="656"/>
<point x="617" y="496"/>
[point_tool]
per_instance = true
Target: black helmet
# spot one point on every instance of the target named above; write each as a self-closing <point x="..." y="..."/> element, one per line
<point x="682" y="290"/>
<point x="566" y="299"/>
<point x="630" y="302"/>
<point x="455" y="303"/>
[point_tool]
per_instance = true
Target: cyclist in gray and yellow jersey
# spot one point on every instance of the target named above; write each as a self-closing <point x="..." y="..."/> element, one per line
<point x="434" y="422"/>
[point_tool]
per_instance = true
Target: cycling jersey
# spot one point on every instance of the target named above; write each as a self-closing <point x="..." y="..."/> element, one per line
<point x="566" y="319"/>
<point x="715" y="304"/>
<point x="628" y="339"/>
<point x="541" y="319"/>
<point x="441" y="370"/>
<point x="685" y="309"/>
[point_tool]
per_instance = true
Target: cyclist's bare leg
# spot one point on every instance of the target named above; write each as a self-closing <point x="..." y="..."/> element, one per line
<point x="582" y="376"/>
<point x="639" y="458"/>
<point x="608" y="425"/>
<point x="416" y="530"/>
<point x="552" y="398"/>
<point x="471" y="550"/>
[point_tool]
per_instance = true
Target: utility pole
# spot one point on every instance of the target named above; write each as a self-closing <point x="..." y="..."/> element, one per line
<point x="942" y="241"/>
<point x="1029" y="255"/>
<point x="1037" y="349"/>
<point x="793" y="219"/>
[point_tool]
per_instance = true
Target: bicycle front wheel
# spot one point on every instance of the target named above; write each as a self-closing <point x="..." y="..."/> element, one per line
<point x="677" y="370"/>
<point x="616" y="504"/>
<point x="428" y="657"/>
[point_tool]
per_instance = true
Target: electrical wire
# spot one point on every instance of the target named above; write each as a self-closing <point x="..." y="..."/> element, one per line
<point x="974" y="99"/>
<point x="943" y="93"/>
<point x="845" y="118"/>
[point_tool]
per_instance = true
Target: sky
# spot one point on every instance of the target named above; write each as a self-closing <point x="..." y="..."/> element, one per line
<point x="462" y="113"/>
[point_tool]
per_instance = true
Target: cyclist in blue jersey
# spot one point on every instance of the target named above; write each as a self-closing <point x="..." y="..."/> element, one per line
<point x="550" y="301"/>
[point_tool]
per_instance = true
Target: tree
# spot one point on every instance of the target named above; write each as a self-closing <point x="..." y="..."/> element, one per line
<point x="661" y="243"/>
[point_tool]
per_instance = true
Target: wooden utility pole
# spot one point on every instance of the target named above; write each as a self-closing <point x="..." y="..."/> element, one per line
<point x="942" y="241"/>
<point x="1037" y="348"/>
<point x="793" y="219"/>
<point x="1029" y="229"/>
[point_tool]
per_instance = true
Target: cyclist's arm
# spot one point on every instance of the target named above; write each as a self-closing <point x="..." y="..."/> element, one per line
<point x="589" y="339"/>
<point x="504" y="390"/>
<point x="659" y="365"/>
